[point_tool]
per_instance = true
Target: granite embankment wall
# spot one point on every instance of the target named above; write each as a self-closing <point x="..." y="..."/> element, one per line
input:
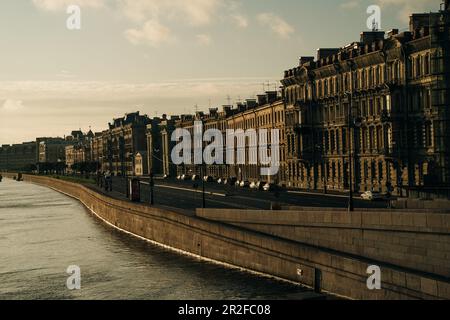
<point x="306" y="263"/>
<point x="414" y="239"/>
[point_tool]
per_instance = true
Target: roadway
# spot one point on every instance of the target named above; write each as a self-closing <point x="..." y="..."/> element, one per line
<point x="184" y="195"/>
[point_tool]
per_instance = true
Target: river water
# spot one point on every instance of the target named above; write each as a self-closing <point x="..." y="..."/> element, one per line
<point x="43" y="232"/>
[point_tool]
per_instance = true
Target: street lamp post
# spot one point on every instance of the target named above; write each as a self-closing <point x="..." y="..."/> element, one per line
<point x="203" y="184"/>
<point x="202" y="175"/>
<point x="152" y="184"/>
<point x="351" y="206"/>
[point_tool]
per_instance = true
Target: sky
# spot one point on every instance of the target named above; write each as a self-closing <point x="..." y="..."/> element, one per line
<point x="160" y="56"/>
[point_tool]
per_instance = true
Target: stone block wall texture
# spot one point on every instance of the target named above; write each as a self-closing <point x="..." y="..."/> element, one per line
<point x="340" y="273"/>
<point x="415" y="239"/>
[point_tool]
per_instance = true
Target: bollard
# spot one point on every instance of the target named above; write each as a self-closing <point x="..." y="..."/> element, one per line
<point x="317" y="280"/>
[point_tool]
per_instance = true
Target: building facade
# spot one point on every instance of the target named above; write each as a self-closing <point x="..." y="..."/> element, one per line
<point x="375" y="110"/>
<point x="249" y="117"/>
<point x="124" y="138"/>
<point x="53" y="150"/>
<point x="18" y="156"/>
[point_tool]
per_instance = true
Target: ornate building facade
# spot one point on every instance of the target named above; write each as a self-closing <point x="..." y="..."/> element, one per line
<point x="125" y="137"/>
<point x="267" y="112"/>
<point x="376" y="110"/>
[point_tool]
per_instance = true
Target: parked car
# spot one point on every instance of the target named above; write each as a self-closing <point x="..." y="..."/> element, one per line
<point x="260" y="185"/>
<point x="230" y="181"/>
<point x="257" y="185"/>
<point x="186" y="177"/>
<point x="373" y="196"/>
<point x="220" y="181"/>
<point x="244" y="184"/>
<point x="273" y="187"/>
<point x="208" y="179"/>
<point x="237" y="183"/>
<point x="178" y="177"/>
<point x="195" y="177"/>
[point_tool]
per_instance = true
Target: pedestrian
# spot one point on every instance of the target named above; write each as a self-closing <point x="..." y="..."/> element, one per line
<point x="108" y="181"/>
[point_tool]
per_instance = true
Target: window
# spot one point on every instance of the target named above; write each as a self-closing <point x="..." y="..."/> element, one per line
<point x="427" y="64"/>
<point x="419" y="135"/>
<point x="429" y="134"/>
<point x="371" y="111"/>
<point x="363" y="79"/>
<point x="418" y="66"/>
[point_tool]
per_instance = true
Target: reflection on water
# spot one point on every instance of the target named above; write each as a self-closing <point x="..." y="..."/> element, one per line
<point x="43" y="232"/>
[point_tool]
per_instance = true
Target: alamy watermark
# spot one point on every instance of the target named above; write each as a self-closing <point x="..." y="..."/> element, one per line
<point x="74" y="280"/>
<point x="250" y="147"/>
<point x="73" y="22"/>
<point x="374" y="280"/>
<point x="374" y="19"/>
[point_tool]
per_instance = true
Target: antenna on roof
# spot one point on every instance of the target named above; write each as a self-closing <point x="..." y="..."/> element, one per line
<point x="374" y="25"/>
<point x="229" y="100"/>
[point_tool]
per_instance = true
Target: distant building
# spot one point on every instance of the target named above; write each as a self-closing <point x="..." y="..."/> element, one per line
<point x="159" y="146"/>
<point x="154" y="147"/>
<point x="124" y="138"/>
<point x="18" y="156"/>
<point x="53" y="150"/>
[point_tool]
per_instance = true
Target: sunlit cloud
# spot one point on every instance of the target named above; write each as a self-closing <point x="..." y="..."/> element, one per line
<point x="203" y="39"/>
<point x="57" y="5"/>
<point x="11" y="105"/>
<point x="277" y="24"/>
<point x="240" y="20"/>
<point x="350" y="4"/>
<point x="404" y="7"/>
<point x="152" y="33"/>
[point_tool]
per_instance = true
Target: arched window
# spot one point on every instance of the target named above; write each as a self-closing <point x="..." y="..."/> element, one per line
<point x="427" y="64"/>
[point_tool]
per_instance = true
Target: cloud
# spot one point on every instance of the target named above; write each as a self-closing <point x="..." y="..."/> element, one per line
<point x="100" y="90"/>
<point x="204" y="39"/>
<point x="405" y="7"/>
<point x="350" y="4"/>
<point x="279" y="26"/>
<point x="193" y="12"/>
<point x="240" y="20"/>
<point x="57" y="5"/>
<point x="152" y="18"/>
<point x="152" y="33"/>
<point x="12" y="105"/>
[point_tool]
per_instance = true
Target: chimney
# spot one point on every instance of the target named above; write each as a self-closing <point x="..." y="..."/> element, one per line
<point x="304" y="60"/>
<point x="251" y="103"/>
<point x="272" y="96"/>
<point x="262" y="99"/>
<point x="326" y="52"/>
<point x="241" y="107"/>
<point x="368" y="37"/>
<point x="226" y="109"/>
<point x="392" y="32"/>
